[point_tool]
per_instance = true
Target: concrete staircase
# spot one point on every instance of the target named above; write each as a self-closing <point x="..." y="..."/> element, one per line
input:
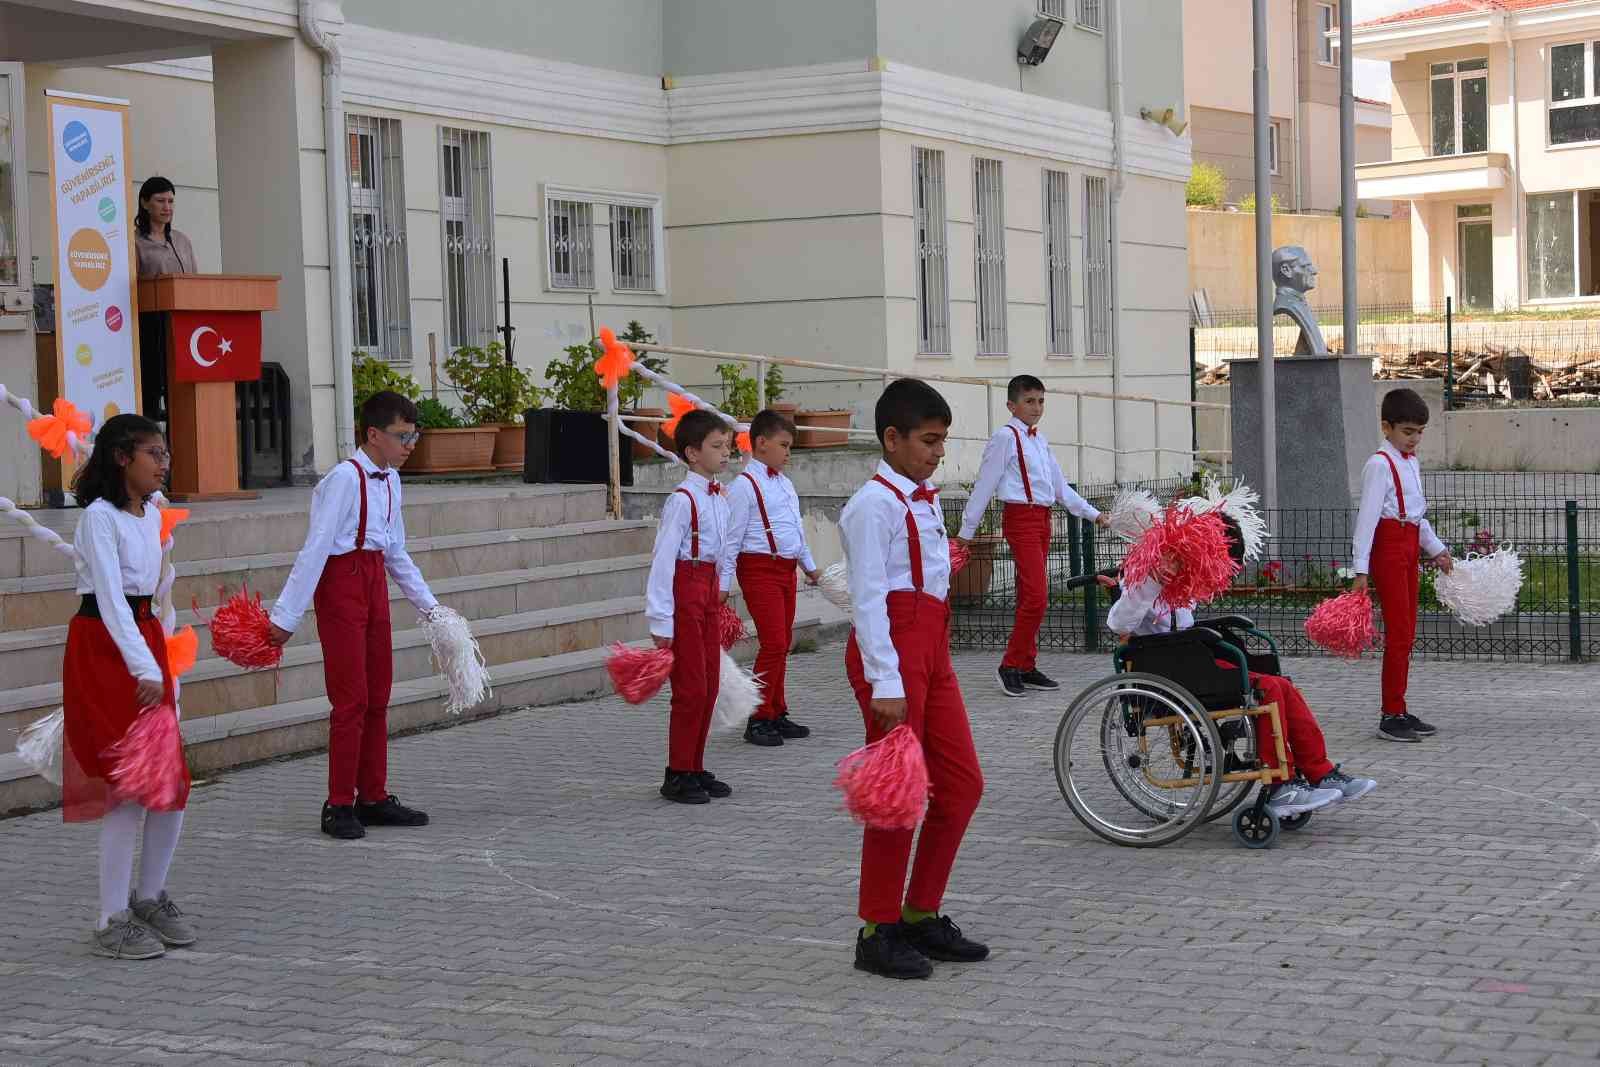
<point x="547" y="581"/>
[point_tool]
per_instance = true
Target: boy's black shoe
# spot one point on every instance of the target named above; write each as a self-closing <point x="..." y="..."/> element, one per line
<point x="1395" y="728"/>
<point x="713" y="788"/>
<point x="1418" y="727"/>
<point x="887" y="953"/>
<point x="939" y="938"/>
<point x="1036" y="679"/>
<point x="762" y="733"/>
<point x="1011" y="682"/>
<point x="683" y="787"/>
<point x="390" y="812"/>
<point x="790" y="730"/>
<point x="339" y="820"/>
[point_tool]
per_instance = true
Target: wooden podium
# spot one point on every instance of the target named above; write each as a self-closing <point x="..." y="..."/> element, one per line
<point x="213" y="340"/>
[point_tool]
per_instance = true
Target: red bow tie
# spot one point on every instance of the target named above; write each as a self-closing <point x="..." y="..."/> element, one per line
<point x="1033" y="431"/>
<point x="924" y="492"/>
<point x="714" y="488"/>
<point x="771" y="473"/>
<point x="1408" y="455"/>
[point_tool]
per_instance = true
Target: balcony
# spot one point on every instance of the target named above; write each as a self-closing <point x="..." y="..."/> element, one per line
<point x="1432" y="177"/>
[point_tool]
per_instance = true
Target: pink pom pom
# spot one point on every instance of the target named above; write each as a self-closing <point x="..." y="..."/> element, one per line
<point x="960" y="554"/>
<point x="730" y="628"/>
<point x="885" y="784"/>
<point x="239" y="633"/>
<point x="146" y="765"/>
<point x="637" y="674"/>
<point x="1343" y="625"/>
<point x="1186" y="553"/>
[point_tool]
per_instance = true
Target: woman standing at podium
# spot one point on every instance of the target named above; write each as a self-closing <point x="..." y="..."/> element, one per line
<point x="162" y="249"/>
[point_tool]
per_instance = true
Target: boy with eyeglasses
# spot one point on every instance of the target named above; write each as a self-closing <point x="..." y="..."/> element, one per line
<point x="356" y="542"/>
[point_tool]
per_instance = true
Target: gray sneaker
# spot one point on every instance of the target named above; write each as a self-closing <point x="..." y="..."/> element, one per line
<point x="125" y="939"/>
<point x="1349" y="788"/>
<point x="1297" y="798"/>
<point x="164" y="919"/>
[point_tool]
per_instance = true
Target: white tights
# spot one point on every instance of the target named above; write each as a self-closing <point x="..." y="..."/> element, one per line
<point x="118" y="829"/>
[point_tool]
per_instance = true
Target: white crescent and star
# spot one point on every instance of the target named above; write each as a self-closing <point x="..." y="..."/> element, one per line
<point x="223" y="343"/>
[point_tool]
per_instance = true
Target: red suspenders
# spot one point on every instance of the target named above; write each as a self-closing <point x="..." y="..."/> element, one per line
<point x="913" y="538"/>
<point x="1022" y="463"/>
<point x="1399" y="492"/>
<point x="766" y="523"/>
<point x="694" y="525"/>
<point x="361" y="525"/>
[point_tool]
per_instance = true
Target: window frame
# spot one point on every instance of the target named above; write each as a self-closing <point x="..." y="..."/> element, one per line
<point x="1275" y="148"/>
<point x="1327" y="46"/>
<point x="1056" y="189"/>
<point x="382" y="204"/>
<point x="1090" y="15"/>
<point x="1053" y="9"/>
<point x="473" y="208"/>
<point x="929" y="196"/>
<point x="1591" y="97"/>
<point x="1098" y="302"/>
<point x="598" y="199"/>
<point x="989" y="257"/>
<point x="1456" y="76"/>
<point x="1577" y="239"/>
<point x="14" y="94"/>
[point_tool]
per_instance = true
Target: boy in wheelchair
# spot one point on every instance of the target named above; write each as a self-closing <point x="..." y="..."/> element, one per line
<point x="1316" y="781"/>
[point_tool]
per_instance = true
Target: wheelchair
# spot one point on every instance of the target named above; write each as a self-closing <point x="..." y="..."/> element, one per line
<point x="1169" y="741"/>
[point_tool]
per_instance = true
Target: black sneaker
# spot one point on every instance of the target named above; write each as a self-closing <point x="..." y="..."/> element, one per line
<point x="939" y="938"/>
<point x="1418" y="727"/>
<point x="762" y="733"/>
<point x="790" y="730"/>
<point x="1036" y="679"/>
<point x="1010" y="682"/>
<point x="1395" y="728"/>
<point x="339" y="820"/>
<point x="888" y="953"/>
<point x="683" y="787"/>
<point x="713" y="788"/>
<point x="390" y="812"/>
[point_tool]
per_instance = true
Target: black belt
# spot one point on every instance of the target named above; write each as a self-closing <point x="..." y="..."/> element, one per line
<point x="89" y="608"/>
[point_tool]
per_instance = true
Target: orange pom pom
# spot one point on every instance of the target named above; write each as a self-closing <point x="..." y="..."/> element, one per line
<point x="680" y="406"/>
<point x="615" y="364"/>
<point x="608" y="337"/>
<point x="170" y="517"/>
<point x="182" y="649"/>
<point x="742" y="442"/>
<point x="50" y="431"/>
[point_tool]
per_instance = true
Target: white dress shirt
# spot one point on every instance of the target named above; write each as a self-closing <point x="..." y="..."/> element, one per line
<point x="1141" y="611"/>
<point x="1378" y="501"/>
<point x="1001" y="474"/>
<point x="335" y="518"/>
<point x="119" y="555"/>
<point x="675" y="541"/>
<point x="746" y="533"/>
<point x="877" y="553"/>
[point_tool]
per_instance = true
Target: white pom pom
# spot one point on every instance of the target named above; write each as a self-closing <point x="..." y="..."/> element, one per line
<point x="1480" y="589"/>
<point x="738" y="696"/>
<point x="1240" y="503"/>
<point x="459" y="658"/>
<point x="835" y="585"/>
<point x="1132" y="512"/>
<point x="40" y="746"/>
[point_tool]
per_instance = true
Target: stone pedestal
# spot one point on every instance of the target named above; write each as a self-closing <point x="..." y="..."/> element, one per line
<point x="1327" y="427"/>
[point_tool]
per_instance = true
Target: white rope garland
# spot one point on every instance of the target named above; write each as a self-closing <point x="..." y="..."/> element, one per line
<point x="35" y="529"/>
<point x="29" y="412"/>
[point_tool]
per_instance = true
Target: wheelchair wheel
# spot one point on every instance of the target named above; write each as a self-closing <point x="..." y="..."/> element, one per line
<point x="1296" y="822"/>
<point x="1243" y="748"/>
<point x="1255" y="830"/>
<point x="1133" y="759"/>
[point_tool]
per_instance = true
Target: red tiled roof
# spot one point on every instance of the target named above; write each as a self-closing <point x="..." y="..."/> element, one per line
<point x="1369" y="100"/>
<point x="1458" y="7"/>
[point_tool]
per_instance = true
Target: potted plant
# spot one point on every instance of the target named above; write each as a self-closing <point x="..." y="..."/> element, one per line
<point x="822" y="428"/>
<point x="448" y="444"/>
<point x="566" y="442"/>
<point x="494" y="393"/>
<point x="631" y="390"/>
<point x="973" y="580"/>
<point x="775" y="391"/>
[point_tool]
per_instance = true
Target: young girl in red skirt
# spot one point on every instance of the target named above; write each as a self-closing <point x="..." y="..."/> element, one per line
<point x="115" y="666"/>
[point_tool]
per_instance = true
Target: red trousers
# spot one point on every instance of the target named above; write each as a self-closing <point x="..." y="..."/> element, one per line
<point x="1308" y="751"/>
<point x="696" y="664"/>
<point x="352" y="604"/>
<point x="1027" y="531"/>
<point x="919" y="625"/>
<point x="1396" y="559"/>
<point x="769" y="584"/>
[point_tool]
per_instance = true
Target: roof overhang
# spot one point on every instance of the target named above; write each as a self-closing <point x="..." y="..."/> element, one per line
<point x="1396" y="40"/>
<point x="1432" y="178"/>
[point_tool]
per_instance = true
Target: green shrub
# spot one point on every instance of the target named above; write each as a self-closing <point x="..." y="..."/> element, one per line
<point x="1208" y="186"/>
<point x="631" y="389"/>
<point x="433" y="414"/>
<point x="574" y="386"/>
<point x="493" y="392"/>
<point x="1248" y="204"/>
<point x="373" y="375"/>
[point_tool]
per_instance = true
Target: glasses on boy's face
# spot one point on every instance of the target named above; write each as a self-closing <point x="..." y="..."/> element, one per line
<point x="410" y="437"/>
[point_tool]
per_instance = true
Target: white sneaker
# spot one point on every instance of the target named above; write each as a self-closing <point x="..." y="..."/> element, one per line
<point x="1349" y="788"/>
<point x="1296" y="798"/>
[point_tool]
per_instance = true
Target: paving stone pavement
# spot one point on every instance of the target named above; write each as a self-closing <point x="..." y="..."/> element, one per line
<point x="557" y="911"/>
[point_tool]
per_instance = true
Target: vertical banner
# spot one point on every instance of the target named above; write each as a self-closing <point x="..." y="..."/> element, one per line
<point x="97" y="326"/>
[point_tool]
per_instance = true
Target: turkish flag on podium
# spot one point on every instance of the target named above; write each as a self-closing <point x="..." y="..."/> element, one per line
<point x="215" y="346"/>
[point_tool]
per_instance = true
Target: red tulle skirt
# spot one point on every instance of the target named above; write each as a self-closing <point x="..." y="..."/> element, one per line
<point x="98" y="695"/>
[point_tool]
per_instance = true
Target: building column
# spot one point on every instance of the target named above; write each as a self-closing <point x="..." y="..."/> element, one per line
<point x="268" y="100"/>
<point x="1423" y="267"/>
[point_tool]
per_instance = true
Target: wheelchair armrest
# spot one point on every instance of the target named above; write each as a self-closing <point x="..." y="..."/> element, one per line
<point x="1228" y="622"/>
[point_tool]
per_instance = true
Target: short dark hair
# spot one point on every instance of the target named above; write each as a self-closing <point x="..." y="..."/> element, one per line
<point x="906" y="404"/>
<point x="1023" y="383"/>
<point x="1404" y="405"/>
<point x="382" y="409"/>
<point x="770" y="423"/>
<point x="1235" y="537"/>
<point x="694" y="428"/>
<point x="101" y="476"/>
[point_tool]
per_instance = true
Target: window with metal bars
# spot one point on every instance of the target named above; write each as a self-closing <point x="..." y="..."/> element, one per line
<point x="1097" y="265"/>
<point x="380" y="278"/>
<point x="633" y="248"/>
<point x="989" y="221"/>
<point x="467" y="220"/>
<point x="1089" y="15"/>
<point x="933" y="263"/>
<point x="571" y="235"/>
<point x="1058" y="260"/>
<point x="1054" y="9"/>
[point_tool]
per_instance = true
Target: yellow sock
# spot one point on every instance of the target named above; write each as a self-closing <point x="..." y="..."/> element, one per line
<point x="912" y="915"/>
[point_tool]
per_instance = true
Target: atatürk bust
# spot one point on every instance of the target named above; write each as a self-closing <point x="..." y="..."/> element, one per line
<point x="1294" y="276"/>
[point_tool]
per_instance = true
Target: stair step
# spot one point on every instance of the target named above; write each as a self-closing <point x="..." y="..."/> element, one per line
<point x="265" y="732"/>
<point x="276" y="523"/>
<point x="33" y="657"/>
<point x="30" y="603"/>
